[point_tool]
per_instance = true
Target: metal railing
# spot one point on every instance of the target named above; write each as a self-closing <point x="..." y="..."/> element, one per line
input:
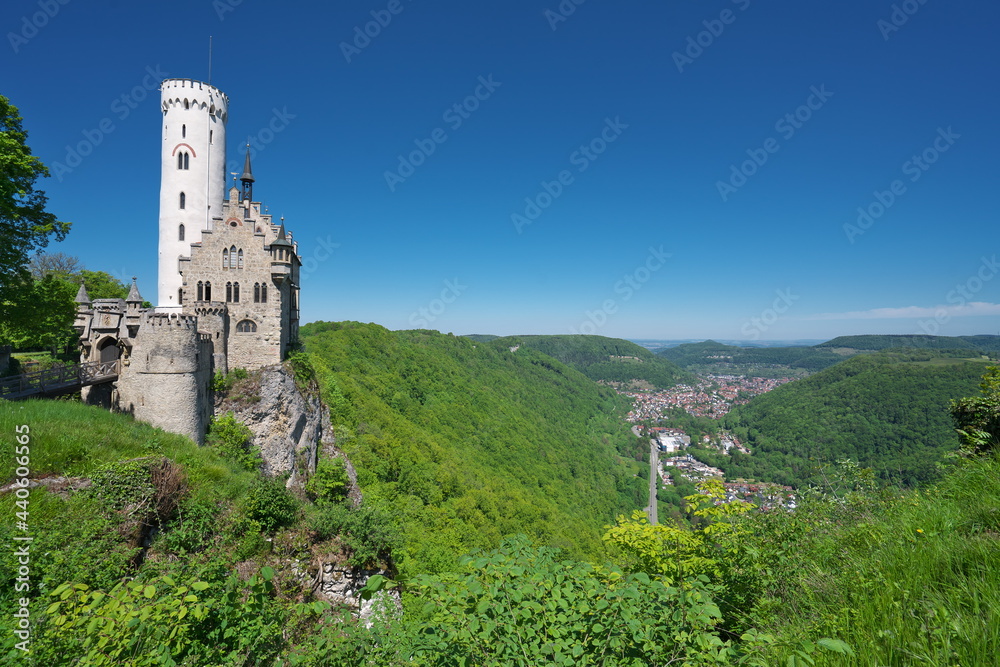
<point x="53" y="381"/>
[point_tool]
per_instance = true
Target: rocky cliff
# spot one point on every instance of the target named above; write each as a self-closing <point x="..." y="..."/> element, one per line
<point x="291" y="427"/>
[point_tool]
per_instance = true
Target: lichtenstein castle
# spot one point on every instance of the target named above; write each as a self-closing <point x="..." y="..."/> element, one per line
<point x="228" y="280"/>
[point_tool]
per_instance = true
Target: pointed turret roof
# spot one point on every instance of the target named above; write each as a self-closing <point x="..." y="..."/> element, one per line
<point x="133" y="293"/>
<point x="247" y="176"/>
<point x="81" y="295"/>
<point x="282" y="239"/>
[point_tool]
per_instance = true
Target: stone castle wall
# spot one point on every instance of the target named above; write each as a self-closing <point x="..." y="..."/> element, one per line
<point x="167" y="379"/>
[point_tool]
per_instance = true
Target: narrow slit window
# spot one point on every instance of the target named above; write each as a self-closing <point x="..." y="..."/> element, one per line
<point x="180" y="233"/>
<point x="183" y="200"/>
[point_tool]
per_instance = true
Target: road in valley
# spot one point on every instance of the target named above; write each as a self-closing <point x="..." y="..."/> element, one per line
<point x="654" y="465"/>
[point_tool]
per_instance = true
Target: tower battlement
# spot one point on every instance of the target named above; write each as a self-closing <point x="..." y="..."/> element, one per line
<point x="174" y="320"/>
<point x="190" y="94"/>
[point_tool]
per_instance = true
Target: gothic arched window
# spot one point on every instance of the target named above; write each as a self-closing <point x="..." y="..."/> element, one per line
<point x="180" y="160"/>
<point x="208" y="290"/>
<point x="236" y="292"/>
<point x="256" y="292"/>
<point x="240" y="257"/>
<point x="180" y="233"/>
<point x="246" y="326"/>
<point x="183" y="200"/>
<point x="225" y="258"/>
<point x="229" y="292"/>
<point x="186" y="160"/>
<point x="201" y="291"/>
<point x="263" y="293"/>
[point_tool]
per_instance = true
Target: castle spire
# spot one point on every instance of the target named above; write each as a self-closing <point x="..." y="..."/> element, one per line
<point x="133" y="294"/>
<point x="247" y="177"/>
<point x="82" y="298"/>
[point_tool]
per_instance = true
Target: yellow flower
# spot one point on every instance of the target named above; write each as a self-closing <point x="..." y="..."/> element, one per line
<point x="919" y="530"/>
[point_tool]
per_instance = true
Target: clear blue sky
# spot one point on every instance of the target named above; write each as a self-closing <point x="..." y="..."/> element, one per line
<point x="649" y="234"/>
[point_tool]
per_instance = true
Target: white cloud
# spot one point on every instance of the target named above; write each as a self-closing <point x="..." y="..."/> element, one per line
<point x="971" y="309"/>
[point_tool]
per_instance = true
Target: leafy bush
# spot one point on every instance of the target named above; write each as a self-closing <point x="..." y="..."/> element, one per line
<point x="369" y="533"/>
<point x="125" y="485"/>
<point x="329" y="482"/>
<point x="271" y="505"/>
<point x="520" y="605"/>
<point x="231" y="438"/>
<point x="223" y="382"/>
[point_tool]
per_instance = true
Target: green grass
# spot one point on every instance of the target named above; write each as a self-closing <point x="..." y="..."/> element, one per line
<point x="910" y="580"/>
<point x="71" y="439"/>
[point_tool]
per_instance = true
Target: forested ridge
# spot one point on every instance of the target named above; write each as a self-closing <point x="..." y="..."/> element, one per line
<point x="885" y="410"/>
<point x="981" y="343"/>
<point x="467" y="441"/>
<point x="610" y="360"/>
<point x="713" y="357"/>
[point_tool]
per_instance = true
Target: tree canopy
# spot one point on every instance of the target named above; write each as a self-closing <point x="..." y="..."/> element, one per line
<point x="25" y="225"/>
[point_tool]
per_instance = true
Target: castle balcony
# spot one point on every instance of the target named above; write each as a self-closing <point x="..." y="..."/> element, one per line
<point x="280" y="271"/>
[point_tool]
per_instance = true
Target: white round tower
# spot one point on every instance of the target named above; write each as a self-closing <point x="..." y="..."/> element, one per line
<point x="192" y="175"/>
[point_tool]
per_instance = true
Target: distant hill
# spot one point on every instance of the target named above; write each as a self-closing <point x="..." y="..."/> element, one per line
<point x="482" y="338"/>
<point x="466" y="442"/>
<point x="886" y="410"/>
<point x="982" y="343"/>
<point x="611" y="360"/>
<point x="713" y="357"/>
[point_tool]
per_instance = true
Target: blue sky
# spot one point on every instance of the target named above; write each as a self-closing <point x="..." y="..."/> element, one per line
<point x="632" y="169"/>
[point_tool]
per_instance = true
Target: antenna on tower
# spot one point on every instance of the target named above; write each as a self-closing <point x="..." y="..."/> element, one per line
<point x="210" y="60"/>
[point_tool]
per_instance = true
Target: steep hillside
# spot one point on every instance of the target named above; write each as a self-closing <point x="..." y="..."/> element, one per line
<point x="468" y="442"/>
<point x="610" y="360"/>
<point x="713" y="357"/>
<point x="886" y="410"/>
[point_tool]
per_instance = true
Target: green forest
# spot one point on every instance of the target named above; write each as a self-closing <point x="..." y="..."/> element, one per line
<point x="886" y="410"/>
<point x="712" y="357"/>
<point x="984" y="344"/>
<point x="151" y="551"/>
<point x="467" y="442"/>
<point x="607" y="360"/>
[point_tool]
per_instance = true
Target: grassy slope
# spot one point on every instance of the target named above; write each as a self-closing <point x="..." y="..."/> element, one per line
<point x="907" y="579"/>
<point x="469" y="442"/>
<point x="884" y="410"/>
<point x="593" y="356"/>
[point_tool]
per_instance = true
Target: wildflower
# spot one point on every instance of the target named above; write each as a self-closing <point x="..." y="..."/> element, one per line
<point x="919" y="530"/>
